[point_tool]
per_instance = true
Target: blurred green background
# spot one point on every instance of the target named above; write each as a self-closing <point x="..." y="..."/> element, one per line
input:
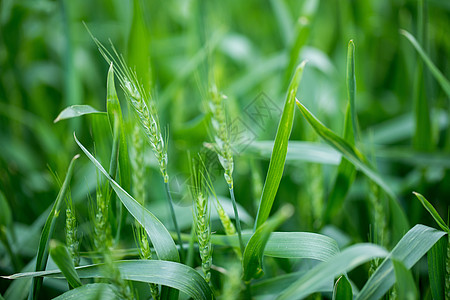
<point x="48" y="61"/>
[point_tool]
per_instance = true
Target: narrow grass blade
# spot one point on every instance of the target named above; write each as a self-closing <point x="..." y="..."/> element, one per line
<point x="47" y="232"/>
<point x="278" y="158"/>
<point x="432" y="212"/>
<point x="409" y="250"/>
<point x="443" y="82"/>
<point x="167" y="273"/>
<point x="342" y="289"/>
<point x="289" y="245"/>
<point x="93" y="291"/>
<point x="400" y="222"/>
<point x="74" y="111"/>
<point x="252" y="258"/>
<point x="64" y="261"/>
<point x="436" y="268"/>
<point x="346" y="171"/>
<point x="325" y="272"/>
<point x="406" y="289"/>
<point x="162" y="241"/>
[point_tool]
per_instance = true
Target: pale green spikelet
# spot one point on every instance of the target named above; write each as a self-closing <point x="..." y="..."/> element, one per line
<point x="137" y="163"/>
<point x="221" y="134"/>
<point x="102" y="228"/>
<point x="228" y="226"/>
<point x="71" y="234"/>
<point x="202" y="217"/>
<point x="146" y="253"/>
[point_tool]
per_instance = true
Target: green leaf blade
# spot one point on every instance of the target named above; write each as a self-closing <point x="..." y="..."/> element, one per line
<point x="75" y="111"/>
<point x="162" y="241"/>
<point x="406" y="288"/>
<point x="47" y="231"/>
<point x="409" y="250"/>
<point x="252" y="258"/>
<point x="436" y="268"/>
<point x="432" y="212"/>
<point x="342" y="289"/>
<point x="64" y="261"/>
<point x="278" y="158"/>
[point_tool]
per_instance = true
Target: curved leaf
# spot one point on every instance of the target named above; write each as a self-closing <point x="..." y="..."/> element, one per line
<point x="400" y="222"/>
<point x="325" y="272"/>
<point x="64" y="261"/>
<point x="409" y="250"/>
<point x="94" y="291"/>
<point x="252" y="258"/>
<point x="168" y="273"/>
<point x="76" y="111"/>
<point x="162" y="241"/>
<point x="342" y="289"/>
<point x="432" y="212"/>
<point x="289" y="245"/>
<point x="278" y="158"/>
<point x="445" y="84"/>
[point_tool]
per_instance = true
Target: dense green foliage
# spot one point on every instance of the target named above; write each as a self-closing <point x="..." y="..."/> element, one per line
<point x="224" y="149"/>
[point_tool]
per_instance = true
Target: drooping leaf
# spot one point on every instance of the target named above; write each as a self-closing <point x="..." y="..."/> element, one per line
<point x="406" y="289"/>
<point x="409" y="250"/>
<point x="432" y="212"/>
<point x="400" y="222"/>
<point x="289" y="245"/>
<point x="64" y="261"/>
<point x="162" y="241"/>
<point x="74" y="111"/>
<point x="278" y="158"/>
<point x="167" y="273"/>
<point x="341" y="263"/>
<point x="443" y="82"/>
<point x="93" y="291"/>
<point x="47" y="232"/>
<point x="436" y="268"/>
<point x="342" y="289"/>
<point x="253" y="254"/>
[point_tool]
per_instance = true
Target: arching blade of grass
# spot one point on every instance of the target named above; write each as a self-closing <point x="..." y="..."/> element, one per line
<point x="278" y="158"/>
<point x="432" y="212"/>
<point x="289" y="245"/>
<point x="409" y="250"/>
<point x="325" y="272"/>
<point x="74" y="111"/>
<point x="47" y="232"/>
<point x="436" y="268"/>
<point x="443" y="82"/>
<point x="93" y="291"/>
<point x="162" y="241"/>
<point x="64" y="261"/>
<point x="400" y="222"/>
<point x="346" y="171"/>
<point x="406" y="289"/>
<point x="167" y="273"/>
<point x="342" y="289"/>
<point x="253" y="254"/>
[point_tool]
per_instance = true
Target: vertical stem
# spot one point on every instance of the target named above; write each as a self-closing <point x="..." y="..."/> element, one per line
<point x="236" y="216"/>
<point x="174" y="219"/>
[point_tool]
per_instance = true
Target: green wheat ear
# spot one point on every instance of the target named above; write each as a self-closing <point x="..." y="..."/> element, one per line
<point x="201" y="216"/>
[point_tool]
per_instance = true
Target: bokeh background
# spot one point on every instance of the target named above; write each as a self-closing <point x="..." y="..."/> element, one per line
<point x="48" y="61"/>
